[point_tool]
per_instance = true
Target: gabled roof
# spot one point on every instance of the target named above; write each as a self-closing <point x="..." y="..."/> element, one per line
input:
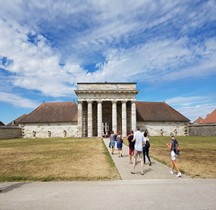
<point x="52" y="113"/>
<point x="1" y="123"/>
<point x="199" y="120"/>
<point x="210" y="118"/>
<point x="16" y="121"/>
<point x="67" y="112"/>
<point x="158" y="112"/>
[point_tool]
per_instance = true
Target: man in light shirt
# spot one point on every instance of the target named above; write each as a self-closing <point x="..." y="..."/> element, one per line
<point x="138" y="148"/>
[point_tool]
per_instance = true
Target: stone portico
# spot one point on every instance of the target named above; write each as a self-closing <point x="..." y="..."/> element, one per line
<point x="106" y="106"/>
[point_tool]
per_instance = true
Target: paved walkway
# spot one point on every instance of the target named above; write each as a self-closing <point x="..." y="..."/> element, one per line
<point x="156" y="171"/>
<point x="164" y="194"/>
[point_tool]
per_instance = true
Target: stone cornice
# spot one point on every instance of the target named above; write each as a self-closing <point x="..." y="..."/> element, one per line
<point x="105" y="91"/>
<point x="101" y="100"/>
<point x="106" y="83"/>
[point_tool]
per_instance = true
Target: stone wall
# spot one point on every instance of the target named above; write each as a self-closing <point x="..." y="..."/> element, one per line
<point x="10" y="132"/>
<point x="154" y="128"/>
<point x="50" y="130"/>
<point x="202" y="130"/>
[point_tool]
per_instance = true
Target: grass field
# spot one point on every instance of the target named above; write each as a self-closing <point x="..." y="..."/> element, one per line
<point x="197" y="157"/>
<point x="55" y="159"/>
<point x="88" y="159"/>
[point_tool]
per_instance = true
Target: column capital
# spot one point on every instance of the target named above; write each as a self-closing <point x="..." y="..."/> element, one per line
<point x="124" y="101"/>
<point x="114" y="101"/>
<point x="89" y="101"/>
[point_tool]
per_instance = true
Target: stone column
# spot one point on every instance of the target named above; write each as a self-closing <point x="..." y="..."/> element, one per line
<point x="80" y="118"/>
<point x="99" y="118"/>
<point x="124" y="119"/>
<point x="114" y="117"/>
<point x="133" y="115"/>
<point x="89" y="118"/>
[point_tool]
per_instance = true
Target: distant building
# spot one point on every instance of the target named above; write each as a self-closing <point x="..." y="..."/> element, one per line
<point x="102" y="107"/>
<point x="209" y="119"/>
<point x="198" y="120"/>
<point x="204" y="127"/>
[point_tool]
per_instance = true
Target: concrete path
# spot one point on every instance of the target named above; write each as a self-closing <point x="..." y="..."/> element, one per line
<point x="182" y="194"/>
<point x="156" y="171"/>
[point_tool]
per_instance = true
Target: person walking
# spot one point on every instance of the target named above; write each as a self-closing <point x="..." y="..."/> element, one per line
<point x="146" y="149"/>
<point x="171" y="146"/>
<point x="112" y="142"/>
<point x="131" y="146"/>
<point x="138" y="150"/>
<point x="119" y="143"/>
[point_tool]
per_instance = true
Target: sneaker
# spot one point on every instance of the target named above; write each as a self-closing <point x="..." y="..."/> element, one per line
<point x="171" y="172"/>
<point x="179" y="174"/>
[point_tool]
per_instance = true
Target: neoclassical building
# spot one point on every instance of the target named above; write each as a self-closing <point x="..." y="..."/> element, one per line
<point x="102" y="107"/>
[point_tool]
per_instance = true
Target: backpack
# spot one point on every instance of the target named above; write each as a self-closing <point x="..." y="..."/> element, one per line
<point x="176" y="147"/>
<point x="147" y="144"/>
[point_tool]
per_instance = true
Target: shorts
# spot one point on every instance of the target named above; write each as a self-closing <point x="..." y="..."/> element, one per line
<point x="173" y="155"/>
<point x="131" y="151"/>
<point x="138" y="153"/>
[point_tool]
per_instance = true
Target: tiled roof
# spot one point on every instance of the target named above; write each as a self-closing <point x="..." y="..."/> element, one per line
<point x="198" y="120"/>
<point x="210" y="118"/>
<point x="1" y="123"/>
<point x="67" y="112"/>
<point x="158" y="112"/>
<point x="53" y="112"/>
<point x="16" y="121"/>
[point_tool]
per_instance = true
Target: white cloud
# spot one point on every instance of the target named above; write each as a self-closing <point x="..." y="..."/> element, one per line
<point x="152" y="57"/>
<point x="194" y="106"/>
<point x="35" y="67"/>
<point x="17" y="100"/>
<point x="158" y="60"/>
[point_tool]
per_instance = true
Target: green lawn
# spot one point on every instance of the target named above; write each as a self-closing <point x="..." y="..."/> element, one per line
<point x="197" y="158"/>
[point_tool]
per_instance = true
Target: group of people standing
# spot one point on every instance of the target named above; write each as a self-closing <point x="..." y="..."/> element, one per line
<point x="116" y="139"/>
<point x="138" y="148"/>
<point x="139" y="145"/>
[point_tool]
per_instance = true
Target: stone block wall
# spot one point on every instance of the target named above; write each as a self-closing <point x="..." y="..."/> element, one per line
<point x="154" y="128"/>
<point x="50" y="130"/>
<point x="202" y="130"/>
<point x="10" y="132"/>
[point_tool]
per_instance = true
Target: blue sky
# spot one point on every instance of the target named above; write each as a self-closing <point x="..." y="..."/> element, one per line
<point x="167" y="47"/>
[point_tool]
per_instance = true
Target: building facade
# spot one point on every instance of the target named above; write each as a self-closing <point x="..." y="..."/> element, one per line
<point x="103" y="107"/>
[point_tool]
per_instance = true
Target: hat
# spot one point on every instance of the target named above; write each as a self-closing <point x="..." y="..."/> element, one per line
<point x="172" y="135"/>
